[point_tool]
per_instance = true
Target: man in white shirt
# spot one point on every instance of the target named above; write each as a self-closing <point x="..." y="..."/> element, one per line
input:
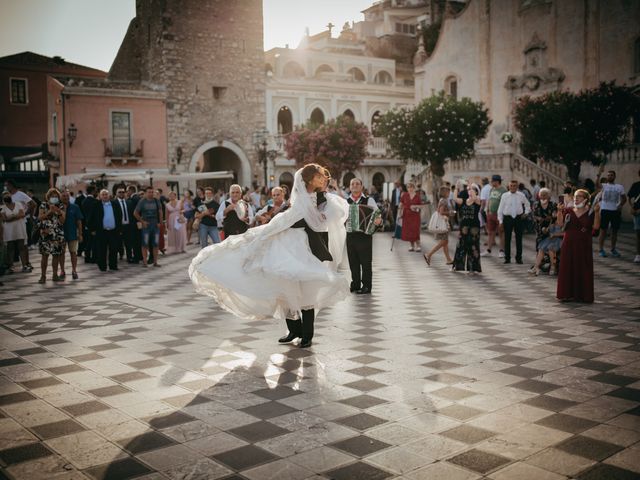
<point x="19" y="196"/>
<point x="279" y="205"/>
<point x="513" y="209"/>
<point x="360" y="244"/>
<point x="256" y="198"/>
<point x="612" y="198"/>
<point x="535" y="190"/>
<point x="227" y="215"/>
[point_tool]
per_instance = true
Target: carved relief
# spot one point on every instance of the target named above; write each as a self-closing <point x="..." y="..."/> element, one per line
<point x="536" y="72"/>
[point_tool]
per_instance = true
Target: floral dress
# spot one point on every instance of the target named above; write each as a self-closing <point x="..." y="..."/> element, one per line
<point x="51" y="240"/>
<point x="467" y="256"/>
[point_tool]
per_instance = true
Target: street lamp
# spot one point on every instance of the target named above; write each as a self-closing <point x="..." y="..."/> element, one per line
<point x="261" y="143"/>
<point x="72" y="134"/>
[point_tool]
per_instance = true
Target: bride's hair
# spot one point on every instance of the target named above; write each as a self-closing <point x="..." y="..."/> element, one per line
<point x="311" y="170"/>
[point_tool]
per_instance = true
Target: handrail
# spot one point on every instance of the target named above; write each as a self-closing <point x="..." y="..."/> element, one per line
<point x="536" y="166"/>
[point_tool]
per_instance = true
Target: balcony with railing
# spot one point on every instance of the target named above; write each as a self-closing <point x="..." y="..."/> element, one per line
<point x="123" y="151"/>
<point x="378" y="147"/>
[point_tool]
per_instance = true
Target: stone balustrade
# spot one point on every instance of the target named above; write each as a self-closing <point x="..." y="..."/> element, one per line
<point x="378" y="147"/>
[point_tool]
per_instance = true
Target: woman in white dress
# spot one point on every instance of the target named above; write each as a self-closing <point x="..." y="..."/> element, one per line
<point x="286" y="269"/>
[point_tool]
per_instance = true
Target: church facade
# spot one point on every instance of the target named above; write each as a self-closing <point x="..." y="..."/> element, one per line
<point x="497" y="51"/>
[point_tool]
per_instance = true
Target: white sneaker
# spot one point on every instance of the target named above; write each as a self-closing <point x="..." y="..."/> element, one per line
<point x="501" y="254"/>
<point x="486" y="253"/>
<point x="636" y="259"/>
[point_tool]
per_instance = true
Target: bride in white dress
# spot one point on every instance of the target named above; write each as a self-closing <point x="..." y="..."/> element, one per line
<point x="277" y="270"/>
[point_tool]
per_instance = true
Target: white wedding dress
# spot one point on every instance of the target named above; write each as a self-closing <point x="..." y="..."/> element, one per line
<point x="269" y="271"/>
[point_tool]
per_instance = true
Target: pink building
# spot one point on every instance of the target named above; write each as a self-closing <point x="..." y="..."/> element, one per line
<point x="111" y="126"/>
<point x="30" y="127"/>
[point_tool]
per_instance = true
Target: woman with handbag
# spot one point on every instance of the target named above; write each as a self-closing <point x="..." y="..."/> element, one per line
<point x="176" y="225"/>
<point x="439" y="226"/>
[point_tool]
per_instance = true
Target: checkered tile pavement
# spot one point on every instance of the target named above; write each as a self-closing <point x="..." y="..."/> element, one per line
<point x="436" y="375"/>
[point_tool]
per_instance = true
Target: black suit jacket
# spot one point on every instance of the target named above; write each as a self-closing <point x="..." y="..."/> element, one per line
<point x="97" y="215"/>
<point x="79" y="200"/>
<point x="87" y="208"/>
<point x="395" y="202"/>
<point x="318" y="241"/>
<point x="130" y="209"/>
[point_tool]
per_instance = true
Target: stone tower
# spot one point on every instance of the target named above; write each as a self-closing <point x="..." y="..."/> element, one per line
<point x="208" y="56"/>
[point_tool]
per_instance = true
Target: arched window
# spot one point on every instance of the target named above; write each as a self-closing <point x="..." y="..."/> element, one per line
<point x="636" y="56"/>
<point x="286" y="179"/>
<point x="268" y="70"/>
<point x="349" y="114"/>
<point x="346" y="180"/>
<point x="293" y="70"/>
<point x="383" y="78"/>
<point x="375" y="122"/>
<point x="285" y="120"/>
<point x="357" y="74"/>
<point x="451" y="87"/>
<point x="323" y="69"/>
<point x="317" y="116"/>
<point x="378" y="181"/>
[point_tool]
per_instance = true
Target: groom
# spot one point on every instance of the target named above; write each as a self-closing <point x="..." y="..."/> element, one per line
<point x="316" y="182"/>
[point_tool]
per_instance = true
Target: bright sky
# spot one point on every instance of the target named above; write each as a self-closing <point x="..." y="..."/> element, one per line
<point x="89" y="32"/>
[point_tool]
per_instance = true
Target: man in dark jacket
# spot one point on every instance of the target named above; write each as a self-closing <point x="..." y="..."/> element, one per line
<point x="88" y="246"/>
<point x="105" y="226"/>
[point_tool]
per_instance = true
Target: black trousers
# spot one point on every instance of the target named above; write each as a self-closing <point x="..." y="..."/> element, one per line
<point x="130" y="234"/>
<point x="360" y="252"/>
<point x="303" y="328"/>
<point x="107" y="246"/>
<point x="90" y="249"/>
<point x="511" y="225"/>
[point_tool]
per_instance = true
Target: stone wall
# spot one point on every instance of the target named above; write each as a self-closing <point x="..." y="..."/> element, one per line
<point x="209" y="56"/>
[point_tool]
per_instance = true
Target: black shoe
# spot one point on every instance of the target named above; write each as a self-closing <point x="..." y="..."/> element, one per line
<point x="364" y="291"/>
<point x="288" y="338"/>
<point x="305" y="343"/>
<point x="294" y="327"/>
<point x="519" y="261"/>
<point x="506" y="261"/>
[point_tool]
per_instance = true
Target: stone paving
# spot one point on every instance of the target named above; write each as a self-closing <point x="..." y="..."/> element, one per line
<point x="437" y="375"/>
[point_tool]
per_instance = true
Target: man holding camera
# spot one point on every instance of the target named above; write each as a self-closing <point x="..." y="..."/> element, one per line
<point x="206" y="214"/>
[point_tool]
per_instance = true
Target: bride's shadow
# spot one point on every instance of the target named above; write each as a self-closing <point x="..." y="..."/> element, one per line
<point x="235" y="399"/>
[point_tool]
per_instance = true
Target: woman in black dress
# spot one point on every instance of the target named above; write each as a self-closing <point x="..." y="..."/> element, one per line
<point x="467" y="256"/>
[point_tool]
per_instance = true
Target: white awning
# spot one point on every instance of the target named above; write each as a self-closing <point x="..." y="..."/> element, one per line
<point x="136" y="175"/>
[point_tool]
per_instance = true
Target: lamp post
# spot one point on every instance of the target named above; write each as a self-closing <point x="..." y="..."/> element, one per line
<point x="261" y="143"/>
<point x="72" y="134"/>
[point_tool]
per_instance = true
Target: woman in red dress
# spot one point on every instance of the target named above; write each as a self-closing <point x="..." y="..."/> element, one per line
<point x="575" y="281"/>
<point x="410" y="203"/>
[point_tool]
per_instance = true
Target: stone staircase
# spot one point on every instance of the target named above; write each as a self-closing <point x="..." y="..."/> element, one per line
<point x="510" y="166"/>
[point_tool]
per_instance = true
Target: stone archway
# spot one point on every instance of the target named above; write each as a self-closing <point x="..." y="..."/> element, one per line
<point x="222" y="155"/>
